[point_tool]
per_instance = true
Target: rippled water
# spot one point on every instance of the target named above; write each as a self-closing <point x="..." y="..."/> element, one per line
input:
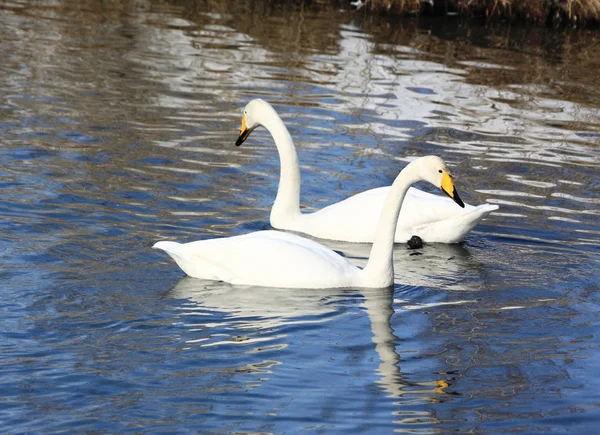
<point x="117" y="125"/>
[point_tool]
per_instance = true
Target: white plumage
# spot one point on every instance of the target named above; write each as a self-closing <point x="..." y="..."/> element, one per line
<point x="278" y="259"/>
<point x="435" y="219"/>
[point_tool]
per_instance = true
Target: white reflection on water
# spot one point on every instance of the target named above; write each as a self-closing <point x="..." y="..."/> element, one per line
<point x="257" y="314"/>
<point x="118" y="130"/>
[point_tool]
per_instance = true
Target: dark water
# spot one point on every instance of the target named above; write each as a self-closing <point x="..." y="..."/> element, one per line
<point x="117" y="122"/>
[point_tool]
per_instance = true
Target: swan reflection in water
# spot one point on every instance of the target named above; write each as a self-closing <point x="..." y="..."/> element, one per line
<point x="263" y="308"/>
<point x="263" y="315"/>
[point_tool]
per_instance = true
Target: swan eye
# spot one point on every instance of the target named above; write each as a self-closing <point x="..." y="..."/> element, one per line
<point x="440" y="171"/>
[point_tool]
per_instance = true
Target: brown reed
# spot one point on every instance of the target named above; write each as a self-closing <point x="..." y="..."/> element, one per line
<point x="551" y="11"/>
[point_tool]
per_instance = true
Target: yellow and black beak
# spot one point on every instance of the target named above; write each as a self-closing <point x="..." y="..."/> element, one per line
<point x="244" y="132"/>
<point x="450" y="190"/>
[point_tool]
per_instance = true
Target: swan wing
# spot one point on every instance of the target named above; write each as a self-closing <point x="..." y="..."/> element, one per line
<point x="265" y="258"/>
<point x="354" y="219"/>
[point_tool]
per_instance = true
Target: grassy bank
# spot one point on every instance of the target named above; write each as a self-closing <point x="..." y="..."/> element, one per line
<point x="550" y="11"/>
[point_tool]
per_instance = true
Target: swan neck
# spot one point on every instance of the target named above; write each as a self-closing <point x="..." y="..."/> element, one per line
<point x="379" y="271"/>
<point x="287" y="202"/>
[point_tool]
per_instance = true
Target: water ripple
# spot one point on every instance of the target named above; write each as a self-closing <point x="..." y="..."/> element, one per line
<point x="118" y="126"/>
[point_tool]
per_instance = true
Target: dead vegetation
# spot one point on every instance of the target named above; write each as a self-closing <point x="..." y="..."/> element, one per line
<point x="550" y="11"/>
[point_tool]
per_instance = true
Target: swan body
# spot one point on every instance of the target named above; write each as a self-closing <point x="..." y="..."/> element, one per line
<point x="278" y="259"/>
<point x="433" y="218"/>
<point x="354" y="219"/>
<point x="264" y="258"/>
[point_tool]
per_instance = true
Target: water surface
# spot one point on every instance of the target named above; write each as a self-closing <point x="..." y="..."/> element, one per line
<point x="117" y="125"/>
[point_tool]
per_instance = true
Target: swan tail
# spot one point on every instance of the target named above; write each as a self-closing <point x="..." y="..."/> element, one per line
<point x="486" y="209"/>
<point x="193" y="264"/>
<point x="455" y="229"/>
<point x="176" y="252"/>
<point x="168" y="247"/>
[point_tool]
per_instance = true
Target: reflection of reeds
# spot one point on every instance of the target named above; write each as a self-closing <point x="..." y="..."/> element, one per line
<point x="553" y="11"/>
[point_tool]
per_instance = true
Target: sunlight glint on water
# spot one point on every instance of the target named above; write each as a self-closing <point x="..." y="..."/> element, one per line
<point x="117" y="130"/>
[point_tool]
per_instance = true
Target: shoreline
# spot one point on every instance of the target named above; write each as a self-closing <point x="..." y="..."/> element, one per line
<point x="549" y="12"/>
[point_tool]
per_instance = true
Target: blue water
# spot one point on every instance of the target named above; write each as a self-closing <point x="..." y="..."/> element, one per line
<point x="117" y="126"/>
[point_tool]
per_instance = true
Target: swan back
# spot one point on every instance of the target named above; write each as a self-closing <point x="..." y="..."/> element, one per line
<point x="264" y="258"/>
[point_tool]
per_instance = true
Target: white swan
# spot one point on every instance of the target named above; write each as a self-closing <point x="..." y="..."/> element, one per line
<point x="431" y="217"/>
<point x="277" y="259"/>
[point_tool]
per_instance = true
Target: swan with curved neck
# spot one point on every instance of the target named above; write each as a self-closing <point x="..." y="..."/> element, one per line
<point x="278" y="259"/>
<point x="433" y="218"/>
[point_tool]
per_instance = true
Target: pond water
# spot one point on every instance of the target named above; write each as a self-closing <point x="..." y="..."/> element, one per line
<point x="117" y="129"/>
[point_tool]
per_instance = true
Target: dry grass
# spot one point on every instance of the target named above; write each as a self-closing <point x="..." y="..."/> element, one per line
<point x="552" y="11"/>
<point x="397" y="6"/>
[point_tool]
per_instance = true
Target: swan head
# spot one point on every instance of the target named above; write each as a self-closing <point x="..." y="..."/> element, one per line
<point x="434" y="170"/>
<point x="253" y="112"/>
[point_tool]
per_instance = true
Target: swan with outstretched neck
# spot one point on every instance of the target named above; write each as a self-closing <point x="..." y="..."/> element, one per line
<point x="277" y="259"/>
<point x="433" y="218"/>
